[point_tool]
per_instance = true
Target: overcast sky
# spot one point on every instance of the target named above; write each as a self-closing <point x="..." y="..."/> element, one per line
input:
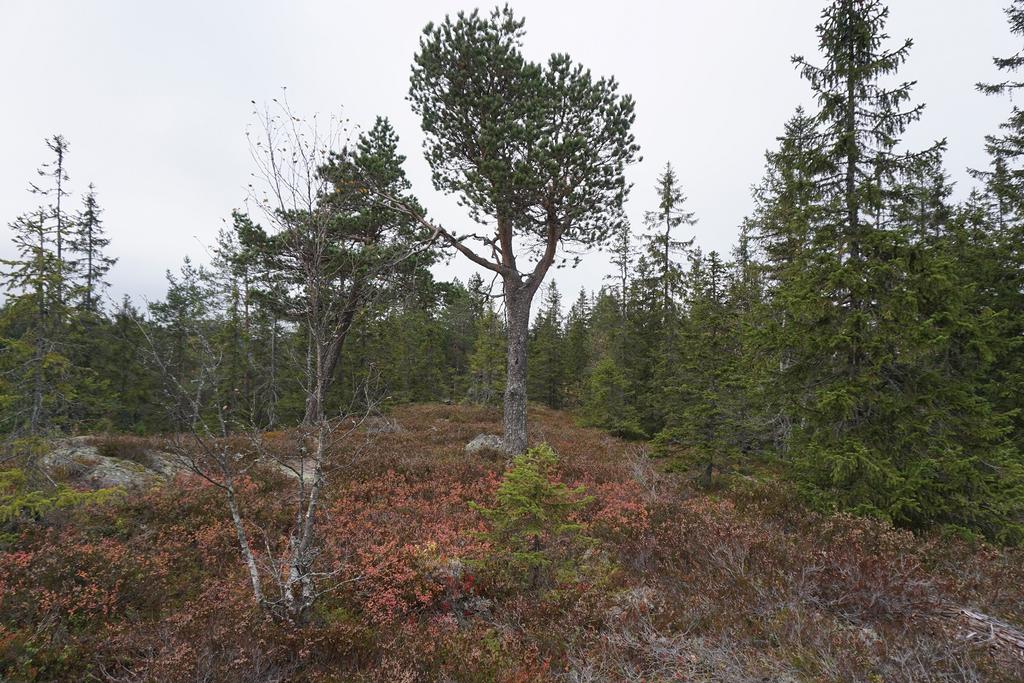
<point x="154" y="98"/>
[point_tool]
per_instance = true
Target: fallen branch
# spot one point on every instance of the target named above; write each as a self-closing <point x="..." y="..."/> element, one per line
<point x="983" y="630"/>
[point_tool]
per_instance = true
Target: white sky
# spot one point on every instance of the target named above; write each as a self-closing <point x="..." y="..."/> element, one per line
<point x="155" y="98"/>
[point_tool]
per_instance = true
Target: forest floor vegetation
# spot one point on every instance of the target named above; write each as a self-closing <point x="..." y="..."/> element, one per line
<point x="637" y="574"/>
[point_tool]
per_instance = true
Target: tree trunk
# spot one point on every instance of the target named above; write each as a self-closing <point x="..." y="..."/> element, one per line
<point x="329" y="358"/>
<point x="517" y="308"/>
<point x="323" y="376"/>
<point x="243" y="544"/>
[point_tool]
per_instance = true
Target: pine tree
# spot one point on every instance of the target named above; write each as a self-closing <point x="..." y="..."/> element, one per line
<point x="334" y="250"/>
<point x="506" y="137"/>
<point x="182" y="329"/>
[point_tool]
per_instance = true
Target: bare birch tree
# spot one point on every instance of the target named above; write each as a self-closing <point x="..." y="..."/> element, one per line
<point x="332" y="250"/>
<point x="225" y="451"/>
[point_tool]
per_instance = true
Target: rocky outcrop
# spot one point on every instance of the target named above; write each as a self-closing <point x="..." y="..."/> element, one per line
<point x="486" y="445"/>
<point x="79" y="462"/>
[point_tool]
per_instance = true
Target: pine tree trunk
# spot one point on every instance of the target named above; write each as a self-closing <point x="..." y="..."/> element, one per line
<point x="323" y="369"/>
<point x="517" y="307"/>
<point x="329" y="354"/>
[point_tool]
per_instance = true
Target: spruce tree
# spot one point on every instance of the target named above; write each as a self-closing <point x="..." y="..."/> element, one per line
<point x="88" y="243"/>
<point x="39" y="391"/>
<point x="33" y="367"/>
<point x="608" y="401"/>
<point x="132" y="380"/>
<point x="461" y="308"/>
<point x="663" y="244"/>
<point x="576" y="347"/>
<point x="994" y="219"/>
<point x="786" y="205"/>
<point x="641" y="345"/>
<point x="880" y="424"/>
<point x="487" y="361"/>
<point x="54" y="190"/>
<point x="534" y="515"/>
<point x="546" y="378"/>
<point x="700" y="389"/>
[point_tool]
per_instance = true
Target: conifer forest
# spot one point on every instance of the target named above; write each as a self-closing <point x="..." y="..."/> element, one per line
<point x="316" y="458"/>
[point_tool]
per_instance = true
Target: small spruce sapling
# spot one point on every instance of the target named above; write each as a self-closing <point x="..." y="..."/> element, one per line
<point x="532" y="511"/>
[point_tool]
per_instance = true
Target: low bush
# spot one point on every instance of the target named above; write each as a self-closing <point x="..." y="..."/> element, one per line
<point x="638" y="575"/>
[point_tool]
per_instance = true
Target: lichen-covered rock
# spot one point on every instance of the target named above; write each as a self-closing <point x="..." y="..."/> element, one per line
<point x="79" y="462"/>
<point x="486" y="445"/>
<point x="165" y="464"/>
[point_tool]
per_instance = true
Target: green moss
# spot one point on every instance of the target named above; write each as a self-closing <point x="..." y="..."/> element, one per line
<point x="19" y="502"/>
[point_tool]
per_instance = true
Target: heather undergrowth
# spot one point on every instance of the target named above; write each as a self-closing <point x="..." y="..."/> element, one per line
<point x="736" y="582"/>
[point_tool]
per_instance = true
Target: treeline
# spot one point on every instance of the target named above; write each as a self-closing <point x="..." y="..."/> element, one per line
<point x="865" y="332"/>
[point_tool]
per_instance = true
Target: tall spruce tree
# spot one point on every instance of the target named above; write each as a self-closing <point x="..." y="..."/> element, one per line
<point x="39" y="389"/>
<point x="33" y="368"/>
<point x="881" y="425"/>
<point x="54" y="190"/>
<point x="995" y="218"/>
<point x="663" y="243"/>
<point x="642" y="345"/>
<point x="88" y="242"/>
<point x="546" y="378"/>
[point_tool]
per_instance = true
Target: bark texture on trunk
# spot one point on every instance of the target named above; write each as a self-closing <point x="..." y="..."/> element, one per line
<point x="517" y="307"/>
<point x="324" y="355"/>
<point x="322" y="369"/>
